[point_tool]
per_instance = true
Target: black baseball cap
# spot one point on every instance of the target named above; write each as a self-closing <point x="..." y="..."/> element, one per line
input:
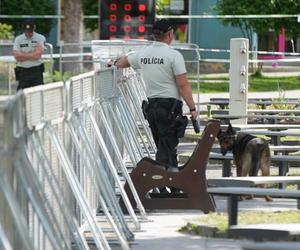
<point x="162" y="26"/>
<point x="28" y="25"/>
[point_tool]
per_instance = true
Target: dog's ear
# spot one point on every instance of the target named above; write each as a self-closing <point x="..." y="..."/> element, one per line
<point x="230" y="129"/>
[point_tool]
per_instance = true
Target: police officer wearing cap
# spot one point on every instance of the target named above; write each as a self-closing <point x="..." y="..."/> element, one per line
<point x="165" y="75"/>
<point x="28" y="49"/>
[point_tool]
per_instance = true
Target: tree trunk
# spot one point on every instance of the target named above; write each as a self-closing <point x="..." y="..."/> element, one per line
<point x="73" y="33"/>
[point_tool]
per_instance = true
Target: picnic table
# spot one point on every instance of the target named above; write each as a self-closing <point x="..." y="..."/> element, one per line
<point x="235" y="186"/>
<point x="233" y="194"/>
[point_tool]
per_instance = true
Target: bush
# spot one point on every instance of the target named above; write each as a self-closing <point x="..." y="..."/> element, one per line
<point x="6" y="32"/>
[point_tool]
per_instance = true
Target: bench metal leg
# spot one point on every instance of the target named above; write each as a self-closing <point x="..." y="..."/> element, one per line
<point x="298" y="200"/>
<point x="232" y="209"/>
<point x="283" y="170"/>
<point x="226" y="171"/>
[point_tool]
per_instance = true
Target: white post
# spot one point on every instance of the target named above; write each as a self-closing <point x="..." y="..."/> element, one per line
<point x="238" y="75"/>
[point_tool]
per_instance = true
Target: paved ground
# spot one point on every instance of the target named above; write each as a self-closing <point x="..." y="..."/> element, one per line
<point x="160" y="233"/>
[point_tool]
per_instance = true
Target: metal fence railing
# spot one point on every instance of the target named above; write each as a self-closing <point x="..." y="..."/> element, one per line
<point x="63" y="163"/>
<point x="66" y="149"/>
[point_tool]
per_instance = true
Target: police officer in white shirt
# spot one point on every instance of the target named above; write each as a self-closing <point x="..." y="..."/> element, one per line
<point x="165" y="75"/>
<point x="28" y="49"/>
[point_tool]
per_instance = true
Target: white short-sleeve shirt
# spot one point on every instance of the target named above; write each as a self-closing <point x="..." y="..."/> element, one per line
<point x="160" y="64"/>
<point x="24" y="44"/>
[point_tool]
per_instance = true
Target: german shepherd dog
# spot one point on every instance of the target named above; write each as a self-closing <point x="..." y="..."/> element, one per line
<point x="250" y="153"/>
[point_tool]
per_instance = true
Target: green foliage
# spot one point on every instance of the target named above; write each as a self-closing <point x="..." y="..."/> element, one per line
<point x="6" y="31"/>
<point x="28" y="7"/>
<point x="260" y="7"/>
<point x="208" y="87"/>
<point x="90" y="7"/>
<point x="257" y="73"/>
<point x="58" y="77"/>
<point x="159" y="7"/>
<point x="281" y="98"/>
<point x="257" y="83"/>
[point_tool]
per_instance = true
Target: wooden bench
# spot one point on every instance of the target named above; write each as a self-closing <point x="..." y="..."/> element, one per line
<point x="233" y="194"/>
<point x="270" y="245"/>
<point x="190" y="178"/>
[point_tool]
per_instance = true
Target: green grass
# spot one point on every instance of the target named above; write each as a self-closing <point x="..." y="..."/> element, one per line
<point x="220" y="220"/>
<point x="256" y="84"/>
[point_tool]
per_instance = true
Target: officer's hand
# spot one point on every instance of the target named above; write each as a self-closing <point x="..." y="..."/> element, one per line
<point x="110" y="63"/>
<point x="194" y="115"/>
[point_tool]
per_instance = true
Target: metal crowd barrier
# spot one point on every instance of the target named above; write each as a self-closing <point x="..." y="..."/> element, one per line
<point x="64" y="163"/>
<point x="66" y="150"/>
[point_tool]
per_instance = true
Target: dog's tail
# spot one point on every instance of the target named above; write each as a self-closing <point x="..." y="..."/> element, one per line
<point x="256" y="159"/>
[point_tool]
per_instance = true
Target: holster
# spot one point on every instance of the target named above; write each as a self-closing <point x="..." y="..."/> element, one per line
<point x="180" y="124"/>
<point x="42" y="67"/>
<point x="17" y="73"/>
<point x="145" y="107"/>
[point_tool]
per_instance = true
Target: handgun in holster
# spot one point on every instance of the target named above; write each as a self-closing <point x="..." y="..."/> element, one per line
<point x="17" y="73"/>
<point x="145" y="106"/>
<point x="181" y="121"/>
